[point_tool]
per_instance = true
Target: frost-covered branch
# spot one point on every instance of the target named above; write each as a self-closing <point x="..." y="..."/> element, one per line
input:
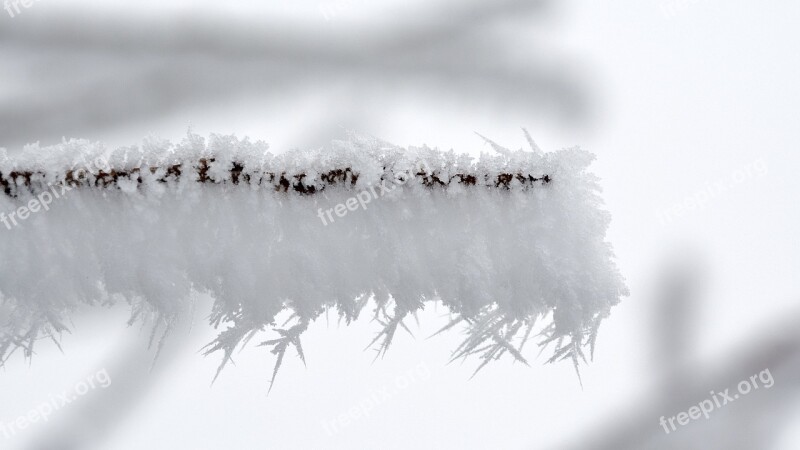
<point x="216" y="217"/>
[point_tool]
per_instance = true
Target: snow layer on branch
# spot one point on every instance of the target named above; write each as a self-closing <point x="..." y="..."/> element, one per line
<point x="499" y="257"/>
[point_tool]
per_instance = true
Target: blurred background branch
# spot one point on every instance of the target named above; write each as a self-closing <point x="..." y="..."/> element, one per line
<point x="90" y="70"/>
<point x="682" y="380"/>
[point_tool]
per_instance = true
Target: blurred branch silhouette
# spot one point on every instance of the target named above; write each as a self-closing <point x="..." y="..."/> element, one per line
<point x="134" y="373"/>
<point x="97" y="70"/>
<point x="682" y="382"/>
